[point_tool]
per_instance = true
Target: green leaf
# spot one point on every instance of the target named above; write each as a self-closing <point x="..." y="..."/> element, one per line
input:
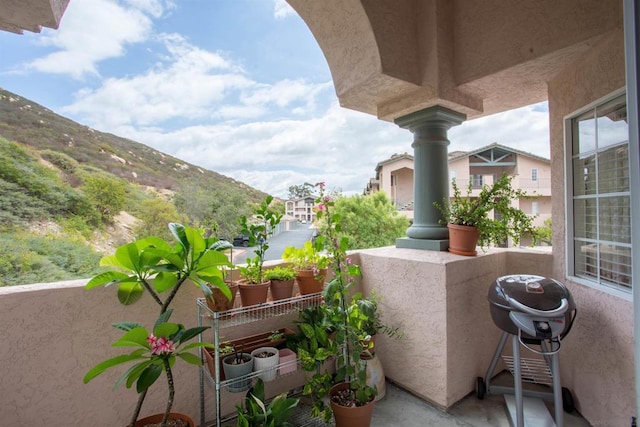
<point x="133" y="338"/>
<point x="148" y="377"/>
<point x="163" y="318"/>
<point x="164" y="281"/>
<point x="178" y="231"/>
<point x="129" y="292"/>
<point x="128" y="256"/>
<point x="107" y="278"/>
<point x="109" y="363"/>
<point x="190" y="358"/>
<point x="132" y="373"/>
<point x="126" y="326"/>
<point x="198" y="344"/>
<point x="307" y="330"/>
<point x="166" y="330"/>
<point x="192" y="332"/>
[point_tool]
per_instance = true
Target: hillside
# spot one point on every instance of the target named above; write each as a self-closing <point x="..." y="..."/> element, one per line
<point x="26" y="122"/>
<point x="69" y="193"/>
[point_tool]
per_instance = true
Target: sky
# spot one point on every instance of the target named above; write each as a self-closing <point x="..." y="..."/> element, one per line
<point x="239" y="87"/>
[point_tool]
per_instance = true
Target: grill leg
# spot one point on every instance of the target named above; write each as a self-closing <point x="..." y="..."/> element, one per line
<point x="517" y="381"/>
<point x="557" y="390"/>
<point x="494" y="362"/>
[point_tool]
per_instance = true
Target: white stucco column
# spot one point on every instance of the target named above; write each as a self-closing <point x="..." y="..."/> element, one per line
<point x="430" y="175"/>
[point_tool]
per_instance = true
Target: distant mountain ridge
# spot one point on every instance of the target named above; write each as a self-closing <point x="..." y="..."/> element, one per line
<point x="29" y="123"/>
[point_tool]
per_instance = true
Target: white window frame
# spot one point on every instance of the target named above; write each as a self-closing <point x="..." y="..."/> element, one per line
<point x="534" y="174"/>
<point x="534" y="208"/>
<point x="626" y="294"/>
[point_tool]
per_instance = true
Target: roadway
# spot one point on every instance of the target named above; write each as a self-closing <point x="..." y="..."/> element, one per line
<point x="296" y="236"/>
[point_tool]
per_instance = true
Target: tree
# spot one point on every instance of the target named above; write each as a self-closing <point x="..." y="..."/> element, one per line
<point x="543" y="233"/>
<point x="301" y="191"/>
<point x="155" y="214"/>
<point x="106" y="194"/>
<point x="214" y="210"/>
<point x="369" y="221"/>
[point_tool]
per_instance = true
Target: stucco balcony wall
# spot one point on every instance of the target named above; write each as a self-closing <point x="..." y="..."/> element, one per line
<point x="440" y="302"/>
<point x="52" y="334"/>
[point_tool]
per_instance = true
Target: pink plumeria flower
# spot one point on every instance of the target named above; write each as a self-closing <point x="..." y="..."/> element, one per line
<point x="320" y="207"/>
<point x="160" y="345"/>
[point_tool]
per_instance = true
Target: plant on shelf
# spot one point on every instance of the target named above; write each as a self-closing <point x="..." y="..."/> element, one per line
<point x="352" y="390"/>
<point x="266" y="219"/>
<point x="282" y="278"/>
<point x="315" y="349"/>
<point x="256" y="413"/>
<point x="463" y="211"/>
<point x="310" y="264"/>
<point x="154" y="266"/>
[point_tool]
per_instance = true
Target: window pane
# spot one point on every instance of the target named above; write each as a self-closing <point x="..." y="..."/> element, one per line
<point x="584" y="217"/>
<point x="615" y="265"/>
<point x="584" y="135"/>
<point x="612" y="123"/>
<point x="613" y="170"/>
<point x="586" y="259"/>
<point x="584" y="175"/>
<point x="615" y="219"/>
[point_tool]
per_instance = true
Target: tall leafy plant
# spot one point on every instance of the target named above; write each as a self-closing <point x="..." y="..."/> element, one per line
<point x="155" y="266"/>
<point x="258" y="232"/>
<point x="347" y="312"/>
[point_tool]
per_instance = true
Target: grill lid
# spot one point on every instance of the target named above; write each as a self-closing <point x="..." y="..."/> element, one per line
<point x="536" y="292"/>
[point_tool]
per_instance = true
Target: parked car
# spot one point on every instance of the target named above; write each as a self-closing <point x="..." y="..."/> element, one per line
<point x="241" y="240"/>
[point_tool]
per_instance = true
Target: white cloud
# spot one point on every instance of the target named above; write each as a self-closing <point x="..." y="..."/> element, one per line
<point x="525" y="129"/>
<point x="92" y="31"/>
<point x="341" y="147"/>
<point x="194" y="86"/>
<point x="281" y="9"/>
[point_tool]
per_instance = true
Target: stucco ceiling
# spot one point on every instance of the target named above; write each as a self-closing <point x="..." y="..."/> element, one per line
<point x="17" y="16"/>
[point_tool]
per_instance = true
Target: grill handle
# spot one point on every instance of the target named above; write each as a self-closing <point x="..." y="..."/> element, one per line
<point x="564" y="304"/>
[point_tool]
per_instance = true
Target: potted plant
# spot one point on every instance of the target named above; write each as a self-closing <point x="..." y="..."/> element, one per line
<point x="316" y="350"/>
<point x="266" y="359"/>
<point x="351" y="398"/>
<point x="282" y="278"/>
<point x="310" y="265"/>
<point x="468" y="215"/>
<point x="256" y="413"/>
<point x="254" y="286"/>
<point x="238" y="365"/>
<point x="155" y="266"/>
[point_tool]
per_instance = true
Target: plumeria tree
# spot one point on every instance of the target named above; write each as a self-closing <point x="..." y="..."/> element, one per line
<point x="154" y="266"/>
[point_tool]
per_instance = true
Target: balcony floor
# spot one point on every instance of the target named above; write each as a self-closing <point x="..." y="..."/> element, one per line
<point x="400" y="408"/>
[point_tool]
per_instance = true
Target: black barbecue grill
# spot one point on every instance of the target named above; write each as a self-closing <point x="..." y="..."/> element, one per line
<point x="537" y="312"/>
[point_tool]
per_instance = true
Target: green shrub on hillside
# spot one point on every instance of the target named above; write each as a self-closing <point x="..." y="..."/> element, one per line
<point x="154" y="217"/>
<point x="60" y="160"/>
<point x="107" y="194"/>
<point x="30" y="191"/>
<point x="26" y="259"/>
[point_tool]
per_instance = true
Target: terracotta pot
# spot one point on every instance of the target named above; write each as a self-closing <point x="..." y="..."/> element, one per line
<point x="463" y="239"/>
<point x="357" y="416"/>
<point x="219" y="302"/>
<point x="308" y="282"/>
<point x="252" y="294"/>
<point x="281" y="289"/>
<point x="157" y="418"/>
